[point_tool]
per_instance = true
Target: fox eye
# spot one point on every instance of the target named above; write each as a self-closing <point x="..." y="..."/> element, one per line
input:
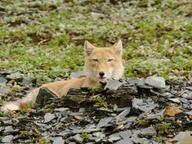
<point x="95" y="60"/>
<point x="110" y="60"/>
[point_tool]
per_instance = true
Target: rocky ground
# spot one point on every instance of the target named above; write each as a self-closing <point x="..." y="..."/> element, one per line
<point x="149" y="110"/>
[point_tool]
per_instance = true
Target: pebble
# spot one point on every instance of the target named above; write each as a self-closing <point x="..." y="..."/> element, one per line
<point x="48" y="117"/>
<point x="58" y="140"/>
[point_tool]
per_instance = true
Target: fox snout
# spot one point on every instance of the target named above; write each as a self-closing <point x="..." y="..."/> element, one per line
<point x="101" y="74"/>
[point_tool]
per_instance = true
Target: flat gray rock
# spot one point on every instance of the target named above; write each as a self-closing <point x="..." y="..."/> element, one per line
<point x="2" y="80"/>
<point x="77" y="138"/>
<point x="7" y="139"/>
<point x="104" y="122"/>
<point x="144" y="105"/>
<point x="187" y="96"/>
<point x="114" y="138"/>
<point x="123" y="114"/>
<point x="48" y="117"/>
<point x="58" y="140"/>
<point x="156" y="82"/>
<point x="150" y="131"/>
<point x="113" y="84"/>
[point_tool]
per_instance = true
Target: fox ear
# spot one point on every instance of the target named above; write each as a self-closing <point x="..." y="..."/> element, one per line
<point x="118" y="47"/>
<point x="88" y="47"/>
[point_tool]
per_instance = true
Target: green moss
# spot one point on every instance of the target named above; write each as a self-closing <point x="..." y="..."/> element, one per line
<point x="85" y="136"/>
<point x="164" y="128"/>
<point x="44" y="140"/>
<point x="142" y="123"/>
<point x="99" y="101"/>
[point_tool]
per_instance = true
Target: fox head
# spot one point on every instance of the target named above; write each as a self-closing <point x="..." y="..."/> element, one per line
<point x="104" y="63"/>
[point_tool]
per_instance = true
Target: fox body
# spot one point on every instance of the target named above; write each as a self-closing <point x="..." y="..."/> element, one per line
<point x="101" y="64"/>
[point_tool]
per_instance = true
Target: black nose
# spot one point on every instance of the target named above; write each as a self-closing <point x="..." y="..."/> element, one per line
<point x="101" y="74"/>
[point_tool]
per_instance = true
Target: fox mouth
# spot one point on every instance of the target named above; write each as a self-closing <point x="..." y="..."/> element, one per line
<point x="103" y="80"/>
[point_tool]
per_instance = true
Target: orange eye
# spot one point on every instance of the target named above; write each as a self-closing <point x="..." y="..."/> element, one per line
<point x="110" y="60"/>
<point x="95" y="60"/>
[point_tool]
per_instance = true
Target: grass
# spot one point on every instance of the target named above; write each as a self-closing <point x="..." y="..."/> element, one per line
<point x="45" y="38"/>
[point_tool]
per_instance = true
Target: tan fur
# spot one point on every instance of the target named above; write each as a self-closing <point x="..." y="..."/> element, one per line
<point x="104" y="59"/>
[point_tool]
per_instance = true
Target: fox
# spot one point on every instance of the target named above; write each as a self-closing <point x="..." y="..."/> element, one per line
<point x="101" y="64"/>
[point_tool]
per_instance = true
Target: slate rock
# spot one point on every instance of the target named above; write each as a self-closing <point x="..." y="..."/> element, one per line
<point x="8" y="129"/>
<point x="77" y="138"/>
<point x="28" y="81"/>
<point x="123" y="114"/>
<point x="4" y="90"/>
<point x="44" y="96"/>
<point x="156" y="82"/>
<point x="58" y="140"/>
<point x="187" y="96"/>
<point x="61" y="109"/>
<point x="183" y="100"/>
<point x="130" y="137"/>
<point x="175" y="100"/>
<point x="144" y="105"/>
<point x="48" y="117"/>
<point x="114" y="138"/>
<point x="99" y="135"/>
<point x="150" y="131"/>
<point x="7" y="139"/>
<point x="104" y="122"/>
<point x="15" y="76"/>
<point x="113" y="84"/>
<point x="2" y="80"/>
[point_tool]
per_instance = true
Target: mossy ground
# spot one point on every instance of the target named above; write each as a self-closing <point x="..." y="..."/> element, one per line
<point x="45" y="38"/>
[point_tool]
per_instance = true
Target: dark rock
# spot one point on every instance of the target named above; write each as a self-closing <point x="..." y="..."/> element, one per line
<point x="44" y="96"/>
